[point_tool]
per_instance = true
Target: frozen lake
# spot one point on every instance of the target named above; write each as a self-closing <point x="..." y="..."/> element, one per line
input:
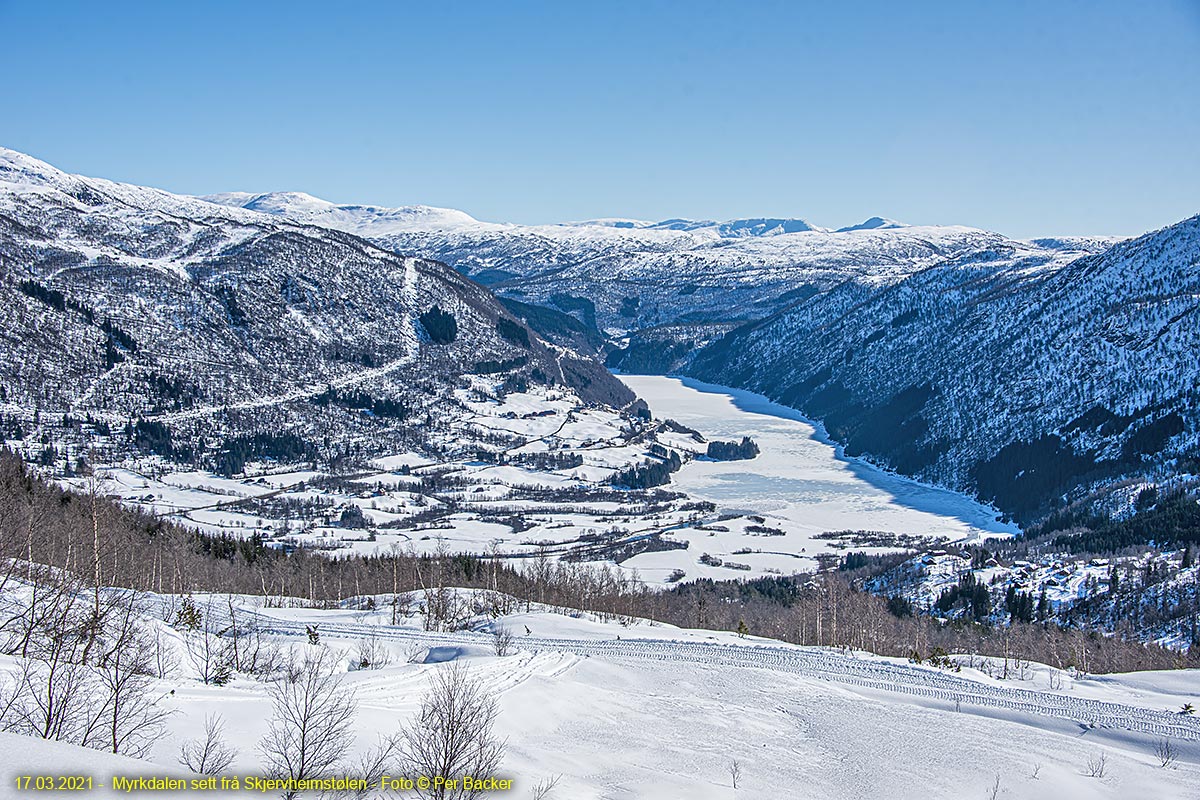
<point x="800" y="482"/>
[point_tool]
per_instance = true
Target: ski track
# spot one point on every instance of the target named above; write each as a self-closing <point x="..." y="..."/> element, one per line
<point x="828" y="665"/>
<point x="499" y="677"/>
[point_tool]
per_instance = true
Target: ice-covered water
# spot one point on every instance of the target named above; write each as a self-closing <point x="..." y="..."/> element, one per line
<point x="800" y="477"/>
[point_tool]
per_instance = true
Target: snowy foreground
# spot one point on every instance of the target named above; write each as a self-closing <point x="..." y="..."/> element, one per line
<point x="650" y="711"/>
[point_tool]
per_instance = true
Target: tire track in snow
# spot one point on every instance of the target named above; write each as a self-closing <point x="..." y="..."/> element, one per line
<point x="808" y="662"/>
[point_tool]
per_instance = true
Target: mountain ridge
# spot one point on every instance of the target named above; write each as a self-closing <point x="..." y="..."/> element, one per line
<point x="681" y="272"/>
<point x="708" y="306"/>
<point x="982" y="376"/>
<point x="130" y="306"/>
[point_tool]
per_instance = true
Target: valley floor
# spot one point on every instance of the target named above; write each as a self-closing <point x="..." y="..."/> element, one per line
<point x="775" y="514"/>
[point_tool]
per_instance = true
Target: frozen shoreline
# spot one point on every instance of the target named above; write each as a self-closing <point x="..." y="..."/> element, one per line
<point x="801" y="482"/>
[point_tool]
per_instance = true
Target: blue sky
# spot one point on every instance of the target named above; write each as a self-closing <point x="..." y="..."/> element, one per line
<point x="1030" y="118"/>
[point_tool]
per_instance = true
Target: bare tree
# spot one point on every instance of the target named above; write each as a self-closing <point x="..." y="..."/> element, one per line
<point x="502" y="640"/>
<point x="396" y="611"/>
<point x="133" y="718"/>
<point x="452" y="735"/>
<point x="735" y="772"/>
<point x="1097" y="765"/>
<point x="313" y="716"/>
<point x="994" y="792"/>
<point x="372" y="765"/>
<point x="247" y="649"/>
<point x="210" y="653"/>
<point x="8" y="702"/>
<point x="53" y="699"/>
<point x="166" y="660"/>
<point x="93" y="490"/>
<point x="1164" y="751"/>
<point x="543" y="788"/>
<point x="209" y="755"/>
<point x="105" y="703"/>
<point x="1036" y="770"/>
<point x="371" y="654"/>
<point x="55" y="695"/>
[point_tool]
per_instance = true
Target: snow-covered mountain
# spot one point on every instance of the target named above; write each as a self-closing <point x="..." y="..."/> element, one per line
<point x="191" y="322"/>
<point x="1028" y="372"/>
<point x="873" y="224"/>
<point x="629" y="275"/>
<point x="1032" y="384"/>
<point x="361" y="220"/>
<point x="738" y="228"/>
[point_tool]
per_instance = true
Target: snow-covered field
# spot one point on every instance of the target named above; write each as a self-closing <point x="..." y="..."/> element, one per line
<point x="650" y="711"/>
<point x="770" y="515"/>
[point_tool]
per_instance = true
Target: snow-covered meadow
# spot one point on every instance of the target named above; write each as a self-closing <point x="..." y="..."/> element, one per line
<point x="769" y="515"/>
<point x="632" y="709"/>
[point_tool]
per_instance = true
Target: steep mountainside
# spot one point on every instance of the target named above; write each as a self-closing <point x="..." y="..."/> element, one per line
<point x="189" y="323"/>
<point x="1032" y="373"/>
<point x="630" y="275"/>
<point x="1030" y="386"/>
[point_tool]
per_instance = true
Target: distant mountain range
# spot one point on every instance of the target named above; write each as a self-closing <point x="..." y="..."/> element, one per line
<point x="625" y="275"/>
<point x="1043" y="375"/>
<point x="1051" y="376"/>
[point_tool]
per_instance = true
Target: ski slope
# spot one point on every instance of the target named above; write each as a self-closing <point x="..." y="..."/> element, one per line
<point x="675" y="648"/>
<point x="644" y="710"/>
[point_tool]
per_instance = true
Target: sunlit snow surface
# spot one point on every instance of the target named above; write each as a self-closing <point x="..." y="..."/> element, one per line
<point x="800" y="482"/>
<point x="652" y="711"/>
<point x="772" y="515"/>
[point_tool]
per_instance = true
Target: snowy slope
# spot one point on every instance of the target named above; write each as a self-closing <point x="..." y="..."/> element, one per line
<point x="367" y="221"/>
<point x="653" y="711"/>
<point x="1024" y="383"/>
<point x="630" y="274"/>
<point x="994" y="343"/>
<point x="120" y="302"/>
<point x="873" y="224"/>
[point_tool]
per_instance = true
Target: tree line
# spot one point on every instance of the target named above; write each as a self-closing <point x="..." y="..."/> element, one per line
<point x="82" y="533"/>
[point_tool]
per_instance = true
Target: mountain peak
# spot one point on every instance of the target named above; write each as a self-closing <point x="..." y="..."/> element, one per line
<point x="739" y="228"/>
<point x="17" y="168"/>
<point x="357" y="219"/>
<point x="874" y="224"/>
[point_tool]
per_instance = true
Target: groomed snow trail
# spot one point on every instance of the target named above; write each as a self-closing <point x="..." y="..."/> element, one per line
<point x="854" y="671"/>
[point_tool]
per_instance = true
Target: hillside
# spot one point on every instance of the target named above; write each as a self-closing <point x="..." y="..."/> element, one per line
<point x="629" y="275"/>
<point x="1030" y="387"/>
<point x="190" y="325"/>
<point x="1029" y="373"/>
<point x="638" y="708"/>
